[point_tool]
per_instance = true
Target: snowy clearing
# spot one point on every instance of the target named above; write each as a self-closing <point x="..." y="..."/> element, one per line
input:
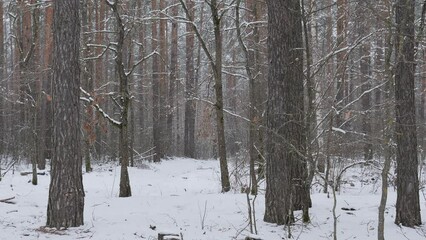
<point x="183" y="196"/>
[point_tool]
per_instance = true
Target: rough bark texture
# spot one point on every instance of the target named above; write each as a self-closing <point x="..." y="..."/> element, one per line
<point x="2" y="75"/>
<point x="407" y="182"/>
<point x="189" y="127"/>
<point x="173" y="82"/>
<point x="217" y="73"/>
<point x="285" y="163"/>
<point x="125" y="190"/>
<point x="66" y="193"/>
<point x="156" y="92"/>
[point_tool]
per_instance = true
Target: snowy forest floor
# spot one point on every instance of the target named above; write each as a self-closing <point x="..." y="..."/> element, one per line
<point x="183" y="196"/>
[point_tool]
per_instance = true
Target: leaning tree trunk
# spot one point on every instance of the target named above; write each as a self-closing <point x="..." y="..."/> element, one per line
<point x="66" y="193"/>
<point x="407" y="182"/>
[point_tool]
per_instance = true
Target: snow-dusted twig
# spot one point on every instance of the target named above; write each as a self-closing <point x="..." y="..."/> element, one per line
<point x="89" y="99"/>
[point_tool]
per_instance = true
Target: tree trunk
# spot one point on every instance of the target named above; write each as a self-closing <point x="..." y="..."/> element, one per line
<point x="48" y="106"/>
<point x="87" y="78"/>
<point x="407" y="182"/>
<point x="101" y="68"/>
<point x="163" y="91"/>
<point x="341" y="63"/>
<point x="250" y="65"/>
<point x="173" y="81"/>
<point x="384" y="61"/>
<point x="2" y="76"/>
<point x="217" y="73"/>
<point x="363" y="28"/>
<point x="189" y="126"/>
<point x="66" y="193"/>
<point x="125" y="190"/>
<point x="156" y="92"/>
<point x="285" y="160"/>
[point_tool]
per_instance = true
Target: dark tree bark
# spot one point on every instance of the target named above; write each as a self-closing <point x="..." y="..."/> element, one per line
<point x="189" y="125"/>
<point x="125" y="190"/>
<point x="285" y="161"/>
<point x="407" y="182"/>
<point x="363" y="28"/>
<point x="173" y="80"/>
<point x="2" y="75"/>
<point x="156" y="91"/>
<point x="101" y="67"/>
<point x="217" y="73"/>
<point x="163" y="78"/>
<point x="66" y="193"/>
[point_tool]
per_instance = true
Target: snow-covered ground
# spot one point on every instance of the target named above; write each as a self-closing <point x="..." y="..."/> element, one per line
<point x="183" y="196"/>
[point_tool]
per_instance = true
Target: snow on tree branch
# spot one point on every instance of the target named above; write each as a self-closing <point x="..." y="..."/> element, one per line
<point x="89" y="99"/>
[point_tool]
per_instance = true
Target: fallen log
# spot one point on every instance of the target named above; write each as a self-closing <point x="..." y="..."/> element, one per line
<point x="28" y="173"/>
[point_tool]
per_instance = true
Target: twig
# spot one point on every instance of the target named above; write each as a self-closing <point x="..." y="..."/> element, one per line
<point x="7" y="200"/>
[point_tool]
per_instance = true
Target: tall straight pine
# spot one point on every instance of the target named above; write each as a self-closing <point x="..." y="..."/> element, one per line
<point x="66" y="193"/>
<point x="407" y="180"/>
<point x="285" y="160"/>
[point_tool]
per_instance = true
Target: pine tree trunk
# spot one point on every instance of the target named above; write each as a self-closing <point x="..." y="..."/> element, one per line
<point x="189" y="125"/>
<point x="407" y="182"/>
<point x="2" y="75"/>
<point x="173" y="82"/>
<point x="66" y="193"/>
<point x="156" y="92"/>
<point x="48" y="50"/>
<point x="285" y="160"/>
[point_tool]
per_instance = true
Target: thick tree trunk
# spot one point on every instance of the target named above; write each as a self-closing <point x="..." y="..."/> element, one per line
<point x="286" y="162"/>
<point x="2" y="75"/>
<point x="407" y="182"/>
<point x="66" y="193"/>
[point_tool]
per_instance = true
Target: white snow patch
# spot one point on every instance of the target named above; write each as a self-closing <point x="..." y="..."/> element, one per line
<point x="172" y="195"/>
